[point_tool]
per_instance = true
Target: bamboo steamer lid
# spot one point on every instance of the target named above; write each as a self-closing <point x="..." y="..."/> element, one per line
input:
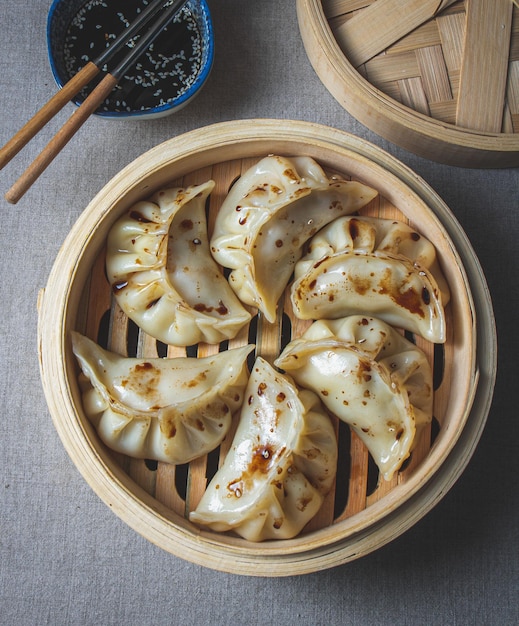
<point x="439" y="78"/>
<point x="357" y="517"/>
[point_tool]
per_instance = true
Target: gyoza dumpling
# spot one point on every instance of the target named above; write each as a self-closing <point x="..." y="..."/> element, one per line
<point x="374" y="266"/>
<point x="281" y="465"/>
<point x="171" y="410"/>
<point x="163" y="275"/>
<point x="269" y="213"/>
<point x="370" y="377"/>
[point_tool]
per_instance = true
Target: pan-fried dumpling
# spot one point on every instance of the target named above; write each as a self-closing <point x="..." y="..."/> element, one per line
<point x="163" y="275"/>
<point x="269" y="213"/>
<point x="171" y="410"/>
<point x="282" y="462"/>
<point x="374" y="266"/>
<point x="369" y="376"/>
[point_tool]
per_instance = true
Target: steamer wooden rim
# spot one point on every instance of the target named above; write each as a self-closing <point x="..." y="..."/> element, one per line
<point x="350" y="538"/>
<point x="428" y="137"/>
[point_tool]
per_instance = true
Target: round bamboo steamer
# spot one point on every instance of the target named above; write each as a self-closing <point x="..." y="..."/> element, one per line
<point x="361" y="514"/>
<point x="439" y="78"/>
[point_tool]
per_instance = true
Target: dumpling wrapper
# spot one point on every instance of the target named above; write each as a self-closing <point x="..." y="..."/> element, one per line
<point x="369" y="376"/>
<point x="281" y="464"/>
<point x="163" y="275"/>
<point x="268" y="215"/>
<point x="171" y="410"/>
<point x="373" y="266"/>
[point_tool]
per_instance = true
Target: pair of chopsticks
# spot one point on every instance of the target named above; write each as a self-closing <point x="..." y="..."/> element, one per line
<point x="159" y="10"/>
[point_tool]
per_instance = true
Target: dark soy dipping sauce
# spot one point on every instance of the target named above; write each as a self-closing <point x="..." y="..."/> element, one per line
<point x="162" y="74"/>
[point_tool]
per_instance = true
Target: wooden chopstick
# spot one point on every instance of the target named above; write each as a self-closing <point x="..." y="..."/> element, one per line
<point x="91" y="103"/>
<point x="74" y="86"/>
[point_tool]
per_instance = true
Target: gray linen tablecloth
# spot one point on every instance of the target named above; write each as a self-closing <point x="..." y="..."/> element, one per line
<point x="65" y="558"/>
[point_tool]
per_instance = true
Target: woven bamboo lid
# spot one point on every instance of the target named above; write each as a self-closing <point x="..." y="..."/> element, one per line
<point x="439" y="78"/>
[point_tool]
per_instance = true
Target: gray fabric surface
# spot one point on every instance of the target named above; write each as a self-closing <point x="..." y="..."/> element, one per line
<point x="64" y="557"/>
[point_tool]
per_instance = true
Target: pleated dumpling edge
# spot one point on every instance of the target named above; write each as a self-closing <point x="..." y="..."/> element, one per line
<point x="171" y="410"/>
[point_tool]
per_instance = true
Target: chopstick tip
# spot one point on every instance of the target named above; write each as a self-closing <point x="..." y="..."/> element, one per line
<point x="13" y="195"/>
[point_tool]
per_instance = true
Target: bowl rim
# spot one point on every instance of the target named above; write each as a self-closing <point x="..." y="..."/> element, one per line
<point x="203" y="548"/>
<point x="157" y="111"/>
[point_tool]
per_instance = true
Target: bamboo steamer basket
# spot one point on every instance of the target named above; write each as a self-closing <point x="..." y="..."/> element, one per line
<point x="362" y="513"/>
<point x="437" y="77"/>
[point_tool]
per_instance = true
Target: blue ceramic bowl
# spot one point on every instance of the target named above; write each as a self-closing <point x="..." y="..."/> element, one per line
<point x="163" y="80"/>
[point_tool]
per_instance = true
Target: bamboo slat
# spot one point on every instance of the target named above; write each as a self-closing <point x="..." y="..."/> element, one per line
<point x="485" y="65"/>
<point x="334" y="8"/>
<point x="382" y="24"/>
<point x="433" y="71"/>
<point x="412" y="94"/>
